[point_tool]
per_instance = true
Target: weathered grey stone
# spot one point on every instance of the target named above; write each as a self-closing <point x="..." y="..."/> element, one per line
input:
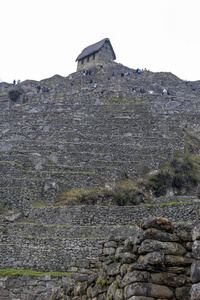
<point x="195" y="271"/>
<point x="165" y="247"/>
<point x="168" y="279"/>
<point x="156" y="222"/>
<point x="45" y="277"/>
<point x="119" y="251"/>
<point x="176" y="270"/>
<point x="173" y="260"/>
<point x="182" y="293"/>
<point x="12" y="218"/>
<point x="195" y="291"/>
<point x="110" y="244"/>
<point x="119" y="294"/>
<point x="196" y="231"/>
<point x="109" y="251"/>
<point x="123" y="269"/>
<point x="196" y="249"/>
<point x="95" y="290"/>
<point x="82" y="263"/>
<point x="112" y="290"/>
<point x="147" y="290"/>
<point x="128" y="258"/>
<point x="137" y="238"/>
<point x="155" y="234"/>
<point x="135" y="276"/>
<point x="153" y="258"/>
<point x="113" y="269"/>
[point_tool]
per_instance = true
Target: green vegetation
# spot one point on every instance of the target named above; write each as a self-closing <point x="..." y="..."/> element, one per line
<point x="31" y="273"/>
<point x="126" y="192"/>
<point x="101" y="281"/>
<point x="181" y="174"/>
<point x="14" y="94"/>
<point x="116" y="285"/>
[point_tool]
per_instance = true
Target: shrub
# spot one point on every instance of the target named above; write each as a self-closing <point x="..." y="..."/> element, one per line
<point x="14" y="94"/>
<point x="159" y="183"/>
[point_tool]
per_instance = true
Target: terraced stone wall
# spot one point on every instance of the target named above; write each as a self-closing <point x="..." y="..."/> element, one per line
<point x="77" y="136"/>
<point x="154" y="263"/>
<point x="112" y="215"/>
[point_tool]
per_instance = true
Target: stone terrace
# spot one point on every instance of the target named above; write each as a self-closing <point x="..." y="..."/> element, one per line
<point x="80" y="137"/>
<point x="71" y="238"/>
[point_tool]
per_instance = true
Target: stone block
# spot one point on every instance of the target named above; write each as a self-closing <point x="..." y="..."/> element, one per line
<point x="119" y="294"/>
<point x="195" y="271"/>
<point x="113" y="269"/>
<point x="195" y="291"/>
<point x="173" y="260"/>
<point x="153" y="258"/>
<point x="182" y="293"/>
<point x="196" y="230"/>
<point x="156" y="234"/>
<point x="128" y="258"/>
<point x="109" y="251"/>
<point x="147" y="290"/>
<point x="165" y="247"/>
<point x="82" y="263"/>
<point x="168" y="279"/>
<point x="45" y="277"/>
<point x="135" y="276"/>
<point x="111" y="291"/>
<point x="110" y="244"/>
<point x="196" y="249"/>
<point x="156" y="222"/>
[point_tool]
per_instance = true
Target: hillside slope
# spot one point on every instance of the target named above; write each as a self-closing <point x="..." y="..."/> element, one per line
<point x="78" y="136"/>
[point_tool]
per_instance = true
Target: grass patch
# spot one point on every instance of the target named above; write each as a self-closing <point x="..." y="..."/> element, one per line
<point x="50" y="82"/>
<point x="127" y="192"/>
<point x="31" y="273"/>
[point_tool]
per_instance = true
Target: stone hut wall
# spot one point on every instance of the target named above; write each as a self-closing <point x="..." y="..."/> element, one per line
<point x="98" y="58"/>
<point x="88" y="62"/>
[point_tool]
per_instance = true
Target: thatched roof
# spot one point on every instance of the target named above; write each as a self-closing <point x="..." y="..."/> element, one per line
<point x="95" y="48"/>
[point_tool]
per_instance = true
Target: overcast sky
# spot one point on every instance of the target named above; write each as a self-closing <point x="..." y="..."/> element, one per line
<point x="41" y="38"/>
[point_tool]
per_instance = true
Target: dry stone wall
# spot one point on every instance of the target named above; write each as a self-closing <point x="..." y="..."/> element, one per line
<point x="77" y="136"/>
<point x="112" y="215"/>
<point x="153" y="263"/>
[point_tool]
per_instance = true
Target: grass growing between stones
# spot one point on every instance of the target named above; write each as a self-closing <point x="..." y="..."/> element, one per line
<point x="126" y="192"/>
<point x="31" y="273"/>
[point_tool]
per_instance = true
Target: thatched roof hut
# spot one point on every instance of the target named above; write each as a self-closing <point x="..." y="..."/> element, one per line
<point x="98" y="53"/>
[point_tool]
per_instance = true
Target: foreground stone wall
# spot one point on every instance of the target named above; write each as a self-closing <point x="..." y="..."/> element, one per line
<point x="195" y="274"/>
<point x="154" y="263"/>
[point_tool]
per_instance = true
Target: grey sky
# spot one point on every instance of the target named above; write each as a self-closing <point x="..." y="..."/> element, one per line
<point x="42" y="38"/>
